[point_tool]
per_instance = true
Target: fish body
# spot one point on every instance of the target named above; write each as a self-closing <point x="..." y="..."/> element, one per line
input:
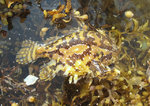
<point x="76" y="55"/>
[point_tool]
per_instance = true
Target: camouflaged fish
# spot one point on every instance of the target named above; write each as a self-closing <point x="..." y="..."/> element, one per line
<point x="76" y="55"/>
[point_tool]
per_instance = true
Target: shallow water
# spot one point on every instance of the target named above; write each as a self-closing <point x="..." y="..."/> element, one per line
<point x="102" y="13"/>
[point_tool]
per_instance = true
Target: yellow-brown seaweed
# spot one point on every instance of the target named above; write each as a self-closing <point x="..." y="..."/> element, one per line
<point x="68" y="6"/>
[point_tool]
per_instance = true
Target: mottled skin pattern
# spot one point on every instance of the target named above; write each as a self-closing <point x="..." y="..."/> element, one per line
<point x="78" y="54"/>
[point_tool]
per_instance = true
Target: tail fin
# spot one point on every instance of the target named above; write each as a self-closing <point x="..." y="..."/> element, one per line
<point x="27" y="53"/>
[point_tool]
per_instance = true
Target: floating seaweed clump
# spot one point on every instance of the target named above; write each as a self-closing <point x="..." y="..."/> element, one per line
<point x="63" y="14"/>
<point x="10" y="8"/>
<point x="57" y="14"/>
